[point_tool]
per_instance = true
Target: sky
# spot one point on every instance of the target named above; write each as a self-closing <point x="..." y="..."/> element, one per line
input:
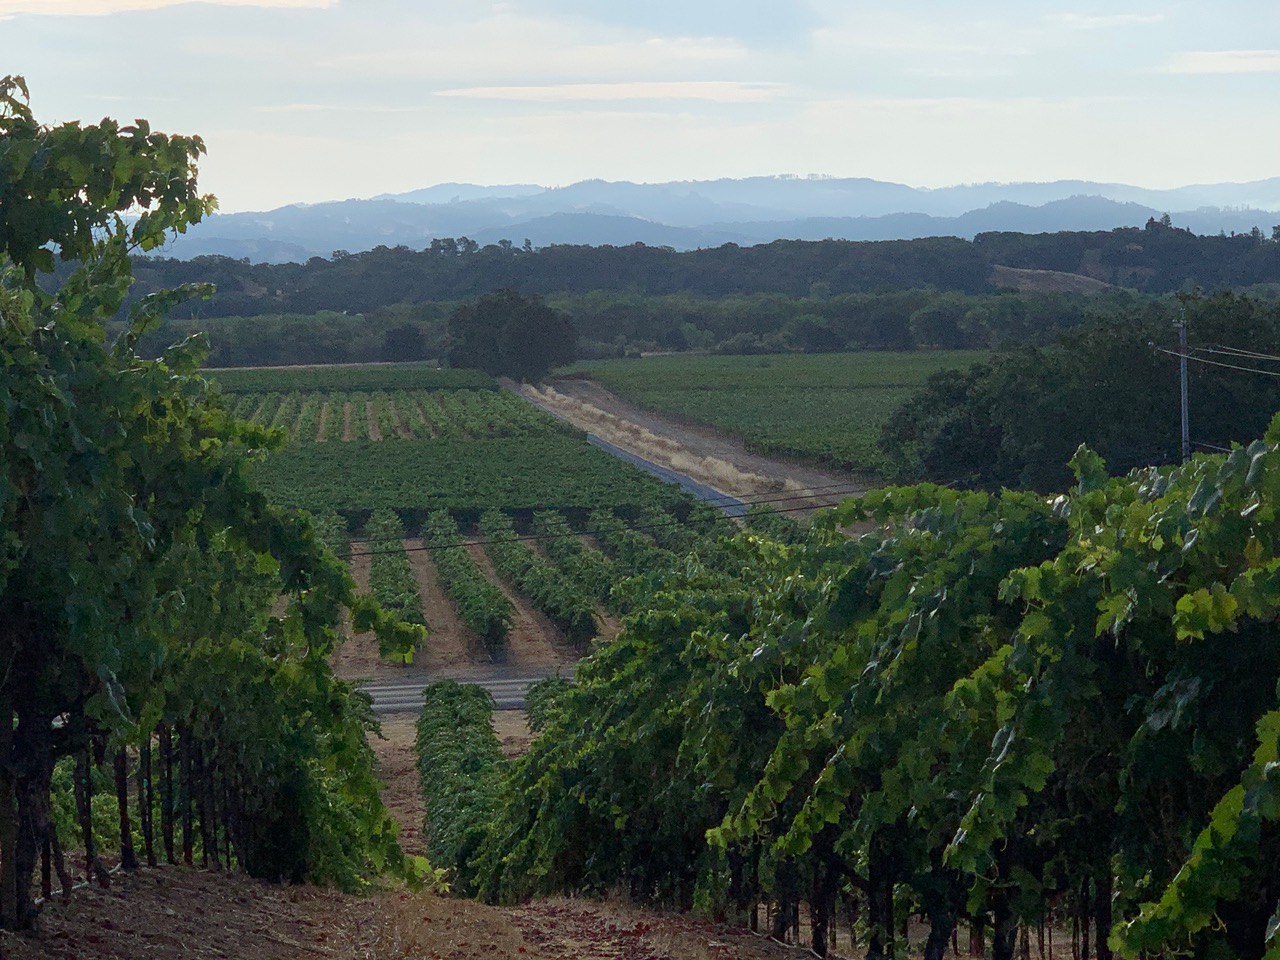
<point x="312" y="100"/>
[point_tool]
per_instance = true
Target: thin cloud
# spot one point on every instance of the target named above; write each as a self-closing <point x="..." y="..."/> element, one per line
<point x="1080" y="21"/>
<point x="1226" y="61"/>
<point x="102" y="8"/>
<point x="719" y="91"/>
<point x="500" y="50"/>
<point x="333" y="108"/>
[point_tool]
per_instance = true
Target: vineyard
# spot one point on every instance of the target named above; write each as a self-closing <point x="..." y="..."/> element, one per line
<point x="383" y="459"/>
<point x="165" y="629"/>
<point x="167" y="626"/>
<point x="1004" y="712"/>
<point x="1007" y="713"/>
<point x="417" y="450"/>
<point x="360" y="378"/>
<point x="826" y="408"/>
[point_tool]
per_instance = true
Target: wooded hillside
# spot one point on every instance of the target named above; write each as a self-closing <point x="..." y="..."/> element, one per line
<point x="1156" y="259"/>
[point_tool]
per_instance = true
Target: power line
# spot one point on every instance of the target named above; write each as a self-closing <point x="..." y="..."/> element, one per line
<point x="718" y="502"/>
<point x="530" y="538"/>
<point x="540" y="537"/>
<point x="1237" y="352"/>
<point x="1182" y="386"/>
<point x="1215" y="363"/>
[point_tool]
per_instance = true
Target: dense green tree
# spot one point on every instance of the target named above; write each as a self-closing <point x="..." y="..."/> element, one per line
<point x="511" y="335"/>
<point x="942" y="323"/>
<point x="1156" y="261"/>
<point x="1112" y="384"/>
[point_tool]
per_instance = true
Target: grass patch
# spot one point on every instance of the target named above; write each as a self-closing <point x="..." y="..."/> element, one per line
<point x="823" y="408"/>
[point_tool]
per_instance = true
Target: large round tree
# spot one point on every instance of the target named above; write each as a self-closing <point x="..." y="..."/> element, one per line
<point x="511" y="335"/>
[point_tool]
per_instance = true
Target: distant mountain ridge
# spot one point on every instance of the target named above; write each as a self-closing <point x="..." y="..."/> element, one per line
<point x="688" y="215"/>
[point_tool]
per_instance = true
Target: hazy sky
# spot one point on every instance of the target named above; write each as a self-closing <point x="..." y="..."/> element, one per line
<point x="306" y="100"/>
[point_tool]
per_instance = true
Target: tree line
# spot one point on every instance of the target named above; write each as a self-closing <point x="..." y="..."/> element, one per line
<point x="611" y="324"/>
<point x="1159" y="258"/>
<point x="396" y="303"/>
<point x="1111" y="382"/>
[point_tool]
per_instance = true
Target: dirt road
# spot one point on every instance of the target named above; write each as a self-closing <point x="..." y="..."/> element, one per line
<point x="702" y="453"/>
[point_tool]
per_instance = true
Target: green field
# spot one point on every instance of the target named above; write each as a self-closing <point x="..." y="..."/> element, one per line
<point x="423" y="447"/>
<point x="466" y="477"/>
<point x="382" y="453"/>
<point x="364" y="377"/>
<point x="826" y="408"/>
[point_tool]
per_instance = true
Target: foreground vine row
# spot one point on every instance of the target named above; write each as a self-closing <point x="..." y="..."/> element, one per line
<point x="999" y="710"/>
<point x="139" y="564"/>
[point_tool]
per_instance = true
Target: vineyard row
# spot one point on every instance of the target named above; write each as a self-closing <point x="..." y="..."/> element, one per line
<point x="317" y="417"/>
<point x="567" y="580"/>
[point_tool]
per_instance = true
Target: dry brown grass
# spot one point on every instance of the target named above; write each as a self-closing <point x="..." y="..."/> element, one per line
<point x="1046" y="281"/>
<point x="664" y="451"/>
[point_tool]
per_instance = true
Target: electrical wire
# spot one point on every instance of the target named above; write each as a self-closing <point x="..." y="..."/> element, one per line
<point x="532" y="538"/>
<point x="541" y="537"/>
<point x="1215" y="363"/>
<point x="1237" y="352"/>
<point x="720" y="502"/>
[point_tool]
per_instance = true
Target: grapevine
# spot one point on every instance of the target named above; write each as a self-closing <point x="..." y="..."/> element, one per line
<point x="564" y="603"/>
<point x="481" y="605"/>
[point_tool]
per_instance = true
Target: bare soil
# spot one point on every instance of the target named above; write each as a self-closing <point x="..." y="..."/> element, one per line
<point x="398" y="771"/>
<point x="182" y="913"/>
<point x="322" y="428"/>
<point x="348" y="432"/>
<point x="371" y="418"/>
<point x="449" y="644"/>
<point x="398" y="767"/>
<point x="1046" y="281"/>
<point x="512" y="728"/>
<point x="534" y="645"/>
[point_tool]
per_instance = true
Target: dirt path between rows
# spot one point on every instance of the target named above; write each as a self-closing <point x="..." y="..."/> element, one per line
<point x="398" y="771"/>
<point x="700" y="452"/>
<point x="398" y="768"/>
<point x="182" y="913"/>
<point x="357" y="656"/>
<point x="185" y="913"/>
<point x="348" y="433"/>
<point x="534" y="645"/>
<point x="449" y="645"/>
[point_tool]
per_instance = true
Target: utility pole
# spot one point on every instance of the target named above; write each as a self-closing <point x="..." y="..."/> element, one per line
<point x="1182" y="369"/>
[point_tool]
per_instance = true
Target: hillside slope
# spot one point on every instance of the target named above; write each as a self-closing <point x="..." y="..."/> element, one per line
<point x="182" y="913"/>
